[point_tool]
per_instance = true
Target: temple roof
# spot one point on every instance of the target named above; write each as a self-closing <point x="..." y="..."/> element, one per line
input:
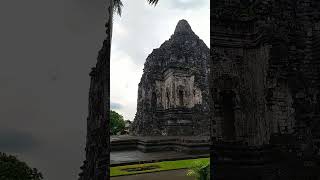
<point x="183" y="27"/>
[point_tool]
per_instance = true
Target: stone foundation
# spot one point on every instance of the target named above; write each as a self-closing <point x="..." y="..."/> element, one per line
<point x="186" y="144"/>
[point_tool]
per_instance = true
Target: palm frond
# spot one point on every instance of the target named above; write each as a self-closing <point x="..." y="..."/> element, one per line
<point x="200" y="170"/>
<point x="153" y="2"/>
<point x="117" y="6"/>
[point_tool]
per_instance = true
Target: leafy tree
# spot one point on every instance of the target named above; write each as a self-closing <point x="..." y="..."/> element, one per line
<point x="117" y="123"/>
<point x="13" y="169"/>
<point x="200" y="170"/>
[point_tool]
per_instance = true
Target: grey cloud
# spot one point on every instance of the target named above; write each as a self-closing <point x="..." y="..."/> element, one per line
<point x="48" y="48"/>
<point x="114" y="105"/>
<point x="187" y="4"/>
<point x="138" y="25"/>
<point x="143" y="29"/>
<point x="13" y="141"/>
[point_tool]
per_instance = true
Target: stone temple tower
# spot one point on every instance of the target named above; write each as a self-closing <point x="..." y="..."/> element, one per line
<point x="173" y="91"/>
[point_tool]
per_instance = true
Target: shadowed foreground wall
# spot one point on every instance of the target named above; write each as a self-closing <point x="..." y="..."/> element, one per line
<point x="265" y="72"/>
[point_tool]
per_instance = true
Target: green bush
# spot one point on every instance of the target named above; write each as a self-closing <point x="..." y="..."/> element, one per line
<point x="117" y="123"/>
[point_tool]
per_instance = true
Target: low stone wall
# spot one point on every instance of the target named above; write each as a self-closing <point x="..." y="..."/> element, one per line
<point x="187" y="144"/>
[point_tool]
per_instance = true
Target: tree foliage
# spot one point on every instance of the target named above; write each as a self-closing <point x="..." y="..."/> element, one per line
<point x="13" y="169"/>
<point x="117" y="123"/>
<point x="117" y="5"/>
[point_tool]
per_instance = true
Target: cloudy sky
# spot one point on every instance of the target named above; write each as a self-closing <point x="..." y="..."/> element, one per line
<point x="139" y="30"/>
<point x="47" y="50"/>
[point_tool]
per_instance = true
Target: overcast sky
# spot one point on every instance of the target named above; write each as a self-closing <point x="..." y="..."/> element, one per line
<point x="47" y="50"/>
<point x="139" y="30"/>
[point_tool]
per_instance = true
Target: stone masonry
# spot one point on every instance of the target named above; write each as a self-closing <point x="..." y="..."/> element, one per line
<point x="173" y="91"/>
<point x="265" y="68"/>
<point x="264" y="88"/>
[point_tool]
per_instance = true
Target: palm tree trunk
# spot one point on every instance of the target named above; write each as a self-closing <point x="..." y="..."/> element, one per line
<point x="104" y="63"/>
<point x="96" y="166"/>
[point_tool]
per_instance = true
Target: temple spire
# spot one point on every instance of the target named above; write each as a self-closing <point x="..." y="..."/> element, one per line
<point x="183" y="27"/>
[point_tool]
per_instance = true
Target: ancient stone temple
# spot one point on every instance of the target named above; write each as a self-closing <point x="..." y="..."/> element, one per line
<point x="264" y="88"/>
<point x="173" y="91"/>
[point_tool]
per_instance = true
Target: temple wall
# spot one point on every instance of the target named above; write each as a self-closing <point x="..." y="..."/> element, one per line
<point x="263" y="105"/>
<point x="272" y="65"/>
<point x="255" y="117"/>
<point x="169" y="91"/>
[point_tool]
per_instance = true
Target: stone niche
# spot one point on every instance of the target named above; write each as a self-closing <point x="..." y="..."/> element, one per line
<point x="175" y="96"/>
<point x="177" y="90"/>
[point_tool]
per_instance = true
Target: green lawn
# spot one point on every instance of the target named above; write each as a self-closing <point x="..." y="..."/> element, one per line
<point x="159" y="166"/>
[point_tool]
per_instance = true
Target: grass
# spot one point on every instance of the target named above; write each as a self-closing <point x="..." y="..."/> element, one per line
<point x="160" y="166"/>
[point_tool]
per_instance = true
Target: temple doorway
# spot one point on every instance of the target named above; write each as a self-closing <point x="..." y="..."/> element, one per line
<point x="168" y="99"/>
<point x="180" y="94"/>
<point x="154" y="100"/>
<point x="228" y="115"/>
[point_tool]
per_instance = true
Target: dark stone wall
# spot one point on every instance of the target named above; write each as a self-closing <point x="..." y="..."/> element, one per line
<point x="266" y="54"/>
<point x="265" y="57"/>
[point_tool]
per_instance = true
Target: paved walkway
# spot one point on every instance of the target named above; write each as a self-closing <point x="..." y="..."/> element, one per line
<point x="164" y="175"/>
<point x="136" y="156"/>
